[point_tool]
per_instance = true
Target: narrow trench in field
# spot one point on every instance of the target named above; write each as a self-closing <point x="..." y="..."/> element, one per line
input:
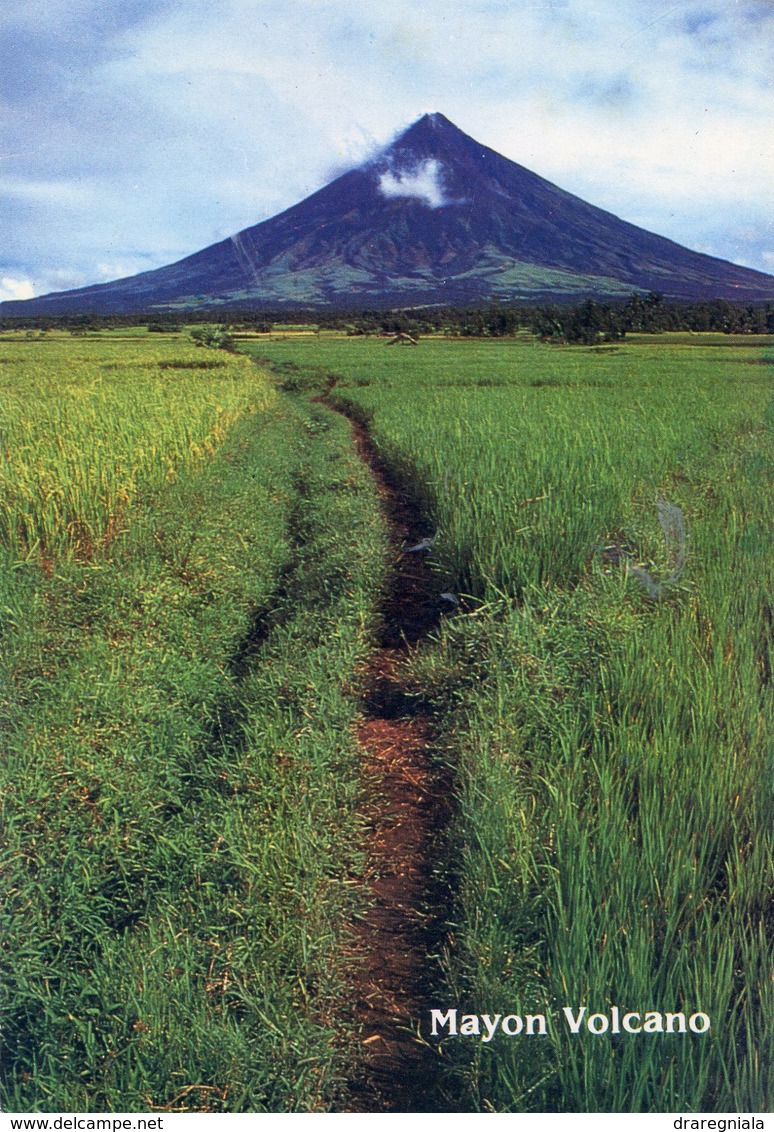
<point x="279" y="606"/>
<point x="407" y="808"/>
<point x="230" y="715"/>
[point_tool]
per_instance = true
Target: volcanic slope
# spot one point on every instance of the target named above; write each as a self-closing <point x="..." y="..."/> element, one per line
<point x="434" y="218"/>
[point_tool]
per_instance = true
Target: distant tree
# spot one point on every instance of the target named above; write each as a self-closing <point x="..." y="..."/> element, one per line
<point x="216" y="338"/>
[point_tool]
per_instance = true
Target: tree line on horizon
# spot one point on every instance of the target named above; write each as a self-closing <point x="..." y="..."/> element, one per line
<point x="587" y="322"/>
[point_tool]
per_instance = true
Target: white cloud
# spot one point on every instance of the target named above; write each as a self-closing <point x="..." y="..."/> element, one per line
<point x="15" y="289"/>
<point x="423" y="183"/>
<point x="120" y="269"/>
<point x="50" y="193"/>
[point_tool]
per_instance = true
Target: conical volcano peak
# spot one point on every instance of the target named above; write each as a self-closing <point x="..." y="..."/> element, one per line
<point x="434" y="218"/>
<point x="430" y="136"/>
<point x="462" y="169"/>
<point x="432" y="123"/>
<point x="433" y="161"/>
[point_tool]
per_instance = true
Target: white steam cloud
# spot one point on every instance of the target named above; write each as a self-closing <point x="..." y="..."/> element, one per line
<point x="423" y="182"/>
<point x="11" y="288"/>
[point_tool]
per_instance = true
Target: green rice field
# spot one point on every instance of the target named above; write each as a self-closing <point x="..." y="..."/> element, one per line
<point x="613" y="754"/>
<point x="192" y="560"/>
<point x="179" y="825"/>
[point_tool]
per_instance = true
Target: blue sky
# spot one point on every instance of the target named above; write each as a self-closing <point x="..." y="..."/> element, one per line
<point x="134" y="132"/>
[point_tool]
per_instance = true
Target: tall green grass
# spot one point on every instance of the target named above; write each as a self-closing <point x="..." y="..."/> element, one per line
<point x="613" y="754"/>
<point x="179" y="780"/>
<point x="88" y="424"/>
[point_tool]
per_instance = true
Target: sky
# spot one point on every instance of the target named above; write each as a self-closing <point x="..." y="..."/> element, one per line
<point x="134" y="132"/>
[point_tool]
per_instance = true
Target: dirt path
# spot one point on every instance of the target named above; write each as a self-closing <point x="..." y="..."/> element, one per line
<point x="407" y="808"/>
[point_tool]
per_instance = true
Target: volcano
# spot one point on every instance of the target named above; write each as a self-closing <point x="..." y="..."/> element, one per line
<point x="435" y="218"/>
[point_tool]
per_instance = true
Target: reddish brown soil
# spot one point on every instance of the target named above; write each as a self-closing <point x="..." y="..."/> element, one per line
<point x="406" y="807"/>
